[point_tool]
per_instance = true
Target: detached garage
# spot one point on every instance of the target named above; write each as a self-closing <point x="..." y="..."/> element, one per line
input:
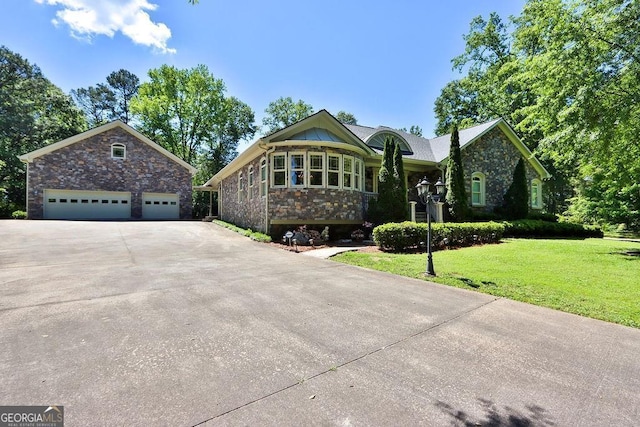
<point x="110" y="172"/>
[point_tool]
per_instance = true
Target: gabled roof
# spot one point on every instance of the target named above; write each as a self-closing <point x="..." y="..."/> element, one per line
<point x="442" y="144"/>
<point x="324" y="120"/>
<point x="29" y="157"/>
<point x="315" y="127"/>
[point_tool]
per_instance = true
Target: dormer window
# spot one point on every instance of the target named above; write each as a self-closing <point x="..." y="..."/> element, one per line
<point x="118" y="151"/>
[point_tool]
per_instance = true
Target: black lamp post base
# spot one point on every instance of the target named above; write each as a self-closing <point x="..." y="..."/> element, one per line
<point x="430" y="271"/>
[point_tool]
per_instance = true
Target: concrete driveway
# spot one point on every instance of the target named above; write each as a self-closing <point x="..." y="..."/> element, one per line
<point x="186" y="323"/>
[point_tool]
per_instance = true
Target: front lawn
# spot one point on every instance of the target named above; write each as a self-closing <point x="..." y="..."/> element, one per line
<point x="593" y="277"/>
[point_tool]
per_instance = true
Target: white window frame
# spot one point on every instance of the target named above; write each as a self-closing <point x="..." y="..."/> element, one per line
<point x="313" y="171"/>
<point x="338" y="171"/>
<point x="274" y="170"/>
<point x="251" y="179"/>
<point x="358" y="169"/>
<point x="345" y="174"/>
<point x="536" y="202"/>
<point x="117" y="145"/>
<point x="240" y="179"/>
<point x="481" y="179"/>
<point x="263" y="177"/>
<point x="298" y="171"/>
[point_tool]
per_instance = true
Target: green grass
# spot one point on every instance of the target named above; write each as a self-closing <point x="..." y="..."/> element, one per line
<point x="592" y="277"/>
<point x="253" y="235"/>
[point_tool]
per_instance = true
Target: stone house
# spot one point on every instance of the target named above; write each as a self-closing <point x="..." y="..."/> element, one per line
<point x="109" y="172"/>
<point x="320" y="172"/>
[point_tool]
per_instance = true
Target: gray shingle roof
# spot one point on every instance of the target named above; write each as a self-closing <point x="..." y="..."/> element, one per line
<point x="442" y="144"/>
<point x="435" y="149"/>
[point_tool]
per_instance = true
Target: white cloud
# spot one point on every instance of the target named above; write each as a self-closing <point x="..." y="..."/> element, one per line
<point x="88" y="18"/>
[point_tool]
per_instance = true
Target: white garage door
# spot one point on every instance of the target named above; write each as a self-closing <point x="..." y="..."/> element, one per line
<point x="160" y="206"/>
<point x="74" y="204"/>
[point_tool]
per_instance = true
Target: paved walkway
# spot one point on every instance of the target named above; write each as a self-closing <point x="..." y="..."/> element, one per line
<point x="331" y="251"/>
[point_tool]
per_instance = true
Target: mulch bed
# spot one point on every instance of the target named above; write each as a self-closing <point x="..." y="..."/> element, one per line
<point x="369" y="247"/>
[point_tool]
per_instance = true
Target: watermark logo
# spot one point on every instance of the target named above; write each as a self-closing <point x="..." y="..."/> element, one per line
<point x="32" y="416"/>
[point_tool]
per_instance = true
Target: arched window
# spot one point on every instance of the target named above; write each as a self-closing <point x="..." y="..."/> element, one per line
<point x="118" y="151"/>
<point x="240" y="185"/>
<point x="478" y="197"/>
<point x="536" y="194"/>
<point x="251" y="182"/>
<point x="263" y="177"/>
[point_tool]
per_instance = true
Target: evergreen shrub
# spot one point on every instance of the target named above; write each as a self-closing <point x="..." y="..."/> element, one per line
<point x="406" y="236"/>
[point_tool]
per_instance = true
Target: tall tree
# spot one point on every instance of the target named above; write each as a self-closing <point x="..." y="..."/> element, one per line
<point x="180" y="109"/>
<point x="346" y="118"/>
<point x="33" y="113"/>
<point x="413" y="130"/>
<point x="566" y="78"/>
<point x="237" y="124"/>
<point x="456" y="195"/>
<point x="96" y="102"/>
<point x="582" y="59"/>
<point x="111" y="101"/>
<point x="284" y="112"/>
<point x="401" y="200"/>
<point x="124" y="86"/>
<point x="386" y="182"/>
<point x="515" y="204"/>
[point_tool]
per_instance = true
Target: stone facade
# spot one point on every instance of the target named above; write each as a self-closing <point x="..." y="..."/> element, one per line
<point x="317" y="204"/>
<point x="247" y="208"/>
<point x="87" y="165"/>
<point x="297" y="205"/>
<point x="495" y="156"/>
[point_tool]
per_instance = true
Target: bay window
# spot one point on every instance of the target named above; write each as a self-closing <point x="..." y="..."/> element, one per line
<point x="333" y="171"/>
<point x="279" y="170"/>
<point x="316" y="170"/>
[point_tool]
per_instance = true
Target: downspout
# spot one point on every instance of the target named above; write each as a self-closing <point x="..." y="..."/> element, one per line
<point x="266" y="200"/>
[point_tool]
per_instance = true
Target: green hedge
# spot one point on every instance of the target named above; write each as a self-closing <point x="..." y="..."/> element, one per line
<point x="539" y="228"/>
<point x="408" y="235"/>
<point x="404" y="236"/>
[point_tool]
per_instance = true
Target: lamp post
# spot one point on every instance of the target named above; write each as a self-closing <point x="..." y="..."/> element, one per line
<point x="424" y="193"/>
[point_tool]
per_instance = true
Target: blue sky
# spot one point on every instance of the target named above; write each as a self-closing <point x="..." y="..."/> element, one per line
<point x="385" y="62"/>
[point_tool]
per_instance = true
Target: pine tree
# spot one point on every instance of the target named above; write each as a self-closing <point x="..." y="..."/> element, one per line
<point x="456" y="197"/>
<point x="516" y="200"/>
<point x="401" y="201"/>
<point x="386" y="182"/>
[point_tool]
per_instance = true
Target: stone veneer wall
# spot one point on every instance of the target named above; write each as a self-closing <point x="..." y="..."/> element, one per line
<point x="290" y="204"/>
<point x="248" y="212"/>
<point x="496" y="157"/>
<point x="319" y="204"/>
<point x="87" y="165"/>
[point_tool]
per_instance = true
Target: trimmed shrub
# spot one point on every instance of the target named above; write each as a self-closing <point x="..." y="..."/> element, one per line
<point x="543" y="216"/>
<point x="538" y="228"/>
<point x="405" y="236"/>
<point x="19" y="215"/>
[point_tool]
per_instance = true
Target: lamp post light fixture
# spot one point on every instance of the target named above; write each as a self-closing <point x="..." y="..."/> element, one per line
<point x="426" y="197"/>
